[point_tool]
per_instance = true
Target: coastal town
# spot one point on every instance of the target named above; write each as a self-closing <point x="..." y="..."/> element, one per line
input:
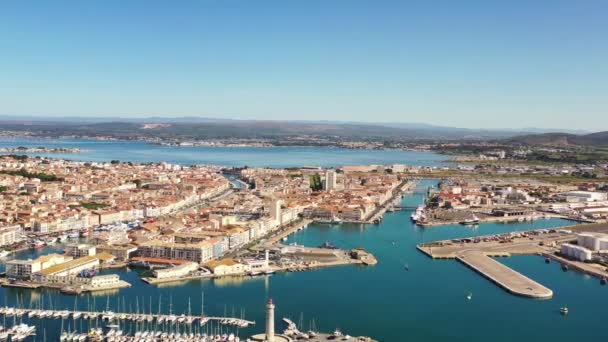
<point x="182" y="222"/>
<point x="179" y="223"/>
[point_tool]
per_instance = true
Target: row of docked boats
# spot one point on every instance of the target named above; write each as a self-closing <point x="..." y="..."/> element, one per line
<point x="112" y="316"/>
<point x="39" y="243"/>
<point x="116" y="335"/>
<point x="18" y="332"/>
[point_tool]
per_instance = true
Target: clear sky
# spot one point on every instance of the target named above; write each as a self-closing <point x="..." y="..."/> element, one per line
<point x="514" y="63"/>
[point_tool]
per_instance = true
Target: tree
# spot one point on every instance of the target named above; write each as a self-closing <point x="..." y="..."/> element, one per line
<point x="315" y="182"/>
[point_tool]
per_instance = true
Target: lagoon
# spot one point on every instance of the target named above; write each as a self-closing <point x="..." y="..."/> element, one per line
<point x="140" y="151"/>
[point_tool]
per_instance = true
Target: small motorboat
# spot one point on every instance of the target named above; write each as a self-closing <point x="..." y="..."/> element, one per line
<point x="470" y="221"/>
<point x="469" y="296"/>
<point x="38" y="244"/>
<point x="563" y="310"/>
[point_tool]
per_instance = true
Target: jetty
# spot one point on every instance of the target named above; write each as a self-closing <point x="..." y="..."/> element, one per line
<point x="504" y="276"/>
<point x="477" y="252"/>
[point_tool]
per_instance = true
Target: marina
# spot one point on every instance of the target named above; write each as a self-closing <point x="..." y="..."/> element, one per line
<point x="111" y="316"/>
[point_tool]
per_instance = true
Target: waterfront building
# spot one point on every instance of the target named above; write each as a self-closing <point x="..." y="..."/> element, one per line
<point x="199" y="252"/>
<point x="23" y="269"/>
<point x="593" y="241"/>
<point x="512" y="212"/>
<point x="220" y="246"/>
<point x="10" y="235"/>
<point x="176" y="271"/>
<point x="226" y="267"/>
<point x="80" y="250"/>
<point x="98" y="281"/>
<point x="237" y="237"/>
<point x="122" y="252"/>
<point x="576" y="252"/>
<point x="72" y="267"/>
<point x="258" y="265"/>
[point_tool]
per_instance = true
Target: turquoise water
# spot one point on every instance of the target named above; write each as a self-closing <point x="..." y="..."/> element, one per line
<point x="426" y="303"/>
<point x="138" y="151"/>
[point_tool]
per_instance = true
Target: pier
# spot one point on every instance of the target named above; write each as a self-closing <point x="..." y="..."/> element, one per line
<point x="504" y="276"/>
<point x="476" y="253"/>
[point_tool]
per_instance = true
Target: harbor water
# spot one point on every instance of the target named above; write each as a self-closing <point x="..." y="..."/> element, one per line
<point x="425" y="303"/>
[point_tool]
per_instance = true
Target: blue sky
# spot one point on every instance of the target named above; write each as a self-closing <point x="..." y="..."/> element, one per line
<point x="491" y="64"/>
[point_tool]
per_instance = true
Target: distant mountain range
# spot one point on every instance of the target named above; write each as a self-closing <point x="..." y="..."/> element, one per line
<point x="216" y="128"/>
<point x="562" y="139"/>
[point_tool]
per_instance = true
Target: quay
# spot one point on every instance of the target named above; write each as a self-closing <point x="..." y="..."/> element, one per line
<point x="376" y="215"/>
<point x="504" y="276"/>
<point x="488" y="218"/>
<point x="294" y="333"/>
<point x="309" y="258"/>
<point x="476" y="253"/>
<point x="288" y="231"/>
<point x="590" y="269"/>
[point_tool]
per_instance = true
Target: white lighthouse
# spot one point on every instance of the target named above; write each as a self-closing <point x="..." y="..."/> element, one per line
<point x="268" y="335"/>
<point x="270" y="321"/>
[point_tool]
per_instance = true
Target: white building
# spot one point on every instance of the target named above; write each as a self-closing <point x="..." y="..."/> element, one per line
<point x="585" y="196"/>
<point x="176" y="271"/>
<point x="226" y="267"/>
<point x="576" y="252"/>
<point x="10" y="235"/>
<point x="275" y="210"/>
<point x="593" y="241"/>
<point x="330" y="180"/>
<point x="80" y="250"/>
<point x="23" y="269"/>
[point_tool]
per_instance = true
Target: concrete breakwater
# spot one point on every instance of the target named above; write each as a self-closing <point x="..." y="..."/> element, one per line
<point x="503" y="276"/>
<point x="475" y="253"/>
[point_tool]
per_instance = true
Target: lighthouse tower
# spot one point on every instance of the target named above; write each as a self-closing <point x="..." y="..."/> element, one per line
<point x="270" y="321"/>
